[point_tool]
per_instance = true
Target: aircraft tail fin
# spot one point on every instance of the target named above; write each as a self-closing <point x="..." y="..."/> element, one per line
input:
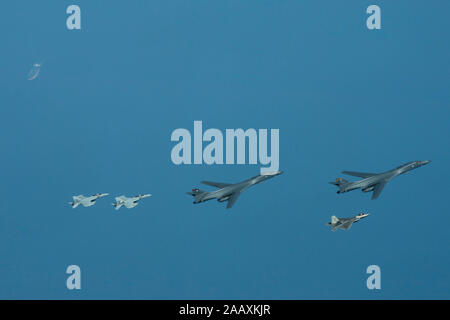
<point x="340" y="183"/>
<point x="334" y="219"/>
<point x="74" y="204"/>
<point x="195" y="192"/>
<point x="117" y="205"/>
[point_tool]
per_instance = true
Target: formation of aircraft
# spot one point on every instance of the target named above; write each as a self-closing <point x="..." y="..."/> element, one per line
<point x="230" y="192"/>
<point x="371" y="182"/>
<point x="227" y="191"/>
<point x="120" y="201"/>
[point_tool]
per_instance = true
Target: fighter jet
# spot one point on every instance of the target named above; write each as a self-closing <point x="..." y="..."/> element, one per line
<point x="129" y="202"/>
<point x="345" y="223"/>
<point x="86" y="201"/>
<point x="229" y="192"/>
<point x="374" y="181"/>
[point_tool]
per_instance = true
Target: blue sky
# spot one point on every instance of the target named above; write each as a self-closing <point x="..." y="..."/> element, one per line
<point x="99" y="119"/>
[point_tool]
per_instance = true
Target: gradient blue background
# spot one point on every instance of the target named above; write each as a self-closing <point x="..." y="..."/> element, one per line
<point x="99" y="119"/>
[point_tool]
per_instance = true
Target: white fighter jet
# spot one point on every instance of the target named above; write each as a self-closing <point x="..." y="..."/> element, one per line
<point x="345" y="223"/>
<point x="86" y="201"/>
<point x="129" y="202"/>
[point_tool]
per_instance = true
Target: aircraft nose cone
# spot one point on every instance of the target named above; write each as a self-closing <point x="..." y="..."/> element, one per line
<point x="363" y="215"/>
<point x="426" y="161"/>
<point x="272" y="174"/>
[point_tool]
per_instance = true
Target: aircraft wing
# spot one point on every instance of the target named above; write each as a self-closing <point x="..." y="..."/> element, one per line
<point x="74" y="204"/>
<point x="359" y="174"/>
<point x="130" y="204"/>
<point x="377" y="190"/>
<point x="346" y="225"/>
<point x="233" y="199"/>
<point x="219" y="185"/>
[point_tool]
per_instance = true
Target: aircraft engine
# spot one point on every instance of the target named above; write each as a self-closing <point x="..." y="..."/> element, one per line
<point x="367" y="189"/>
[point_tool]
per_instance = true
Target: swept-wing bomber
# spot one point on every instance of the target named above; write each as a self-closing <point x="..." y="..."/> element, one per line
<point x="229" y="192"/>
<point x="374" y="181"/>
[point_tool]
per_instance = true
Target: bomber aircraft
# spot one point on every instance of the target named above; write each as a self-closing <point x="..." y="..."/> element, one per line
<point x="374" y="181"/>
<point x="229" y="192"/>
